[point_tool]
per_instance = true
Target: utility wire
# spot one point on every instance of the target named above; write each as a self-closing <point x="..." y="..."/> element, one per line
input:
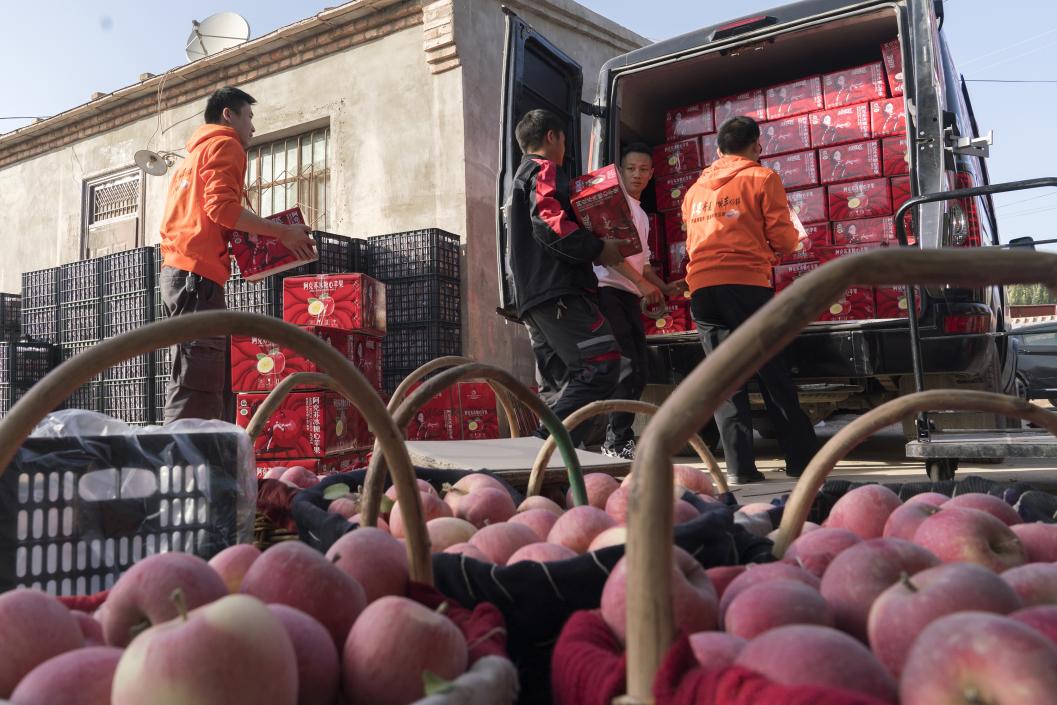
<point x="1008" y="47"/>
<point x="1025" y="200"/>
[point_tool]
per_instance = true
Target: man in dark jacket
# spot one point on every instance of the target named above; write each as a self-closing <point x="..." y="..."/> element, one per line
<point x="549" y="257"/>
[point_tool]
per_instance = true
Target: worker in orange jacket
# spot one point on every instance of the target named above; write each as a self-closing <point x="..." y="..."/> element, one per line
<point x="205" y="202"/>
<point x="737" y="223"/>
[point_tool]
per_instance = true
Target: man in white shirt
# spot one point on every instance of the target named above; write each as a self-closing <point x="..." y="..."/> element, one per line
<point x="620" y="293"/>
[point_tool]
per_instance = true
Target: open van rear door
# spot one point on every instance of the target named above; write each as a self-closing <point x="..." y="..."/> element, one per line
<point x="536" y="74"/>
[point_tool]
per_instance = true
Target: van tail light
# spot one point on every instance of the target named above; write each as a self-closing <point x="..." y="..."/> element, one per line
<point x="964" y="216"/>
<point x="978" y="323"/>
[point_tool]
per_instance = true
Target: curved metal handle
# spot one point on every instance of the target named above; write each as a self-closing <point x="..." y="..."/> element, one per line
<point x="597" y="408"/>
<point x="649" y="549"/>
<point x="278" y="395"/>
<point x="845" y="440"/>
<point x="372" y="486"/>
<point x="49" y="392"/>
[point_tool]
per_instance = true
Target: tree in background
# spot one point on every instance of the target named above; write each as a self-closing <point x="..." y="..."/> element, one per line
<point x="1029" y="294"/>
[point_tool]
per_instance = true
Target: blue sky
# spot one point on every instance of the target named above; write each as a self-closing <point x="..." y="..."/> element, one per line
<point x="64" y="50"/>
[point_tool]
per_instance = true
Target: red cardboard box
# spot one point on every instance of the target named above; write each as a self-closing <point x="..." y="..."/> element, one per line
<point x="601" y="206"/>
<point x="858" y="160"/>
<point x="674" y="227"/>
<point x="827" y="254"/>
<point x="892" y="58"/>
<point x="677" y="260"/>
<point x="854" y="85"/>
<point x="860" y="199"/>
<point x="796" y="170"/>
<point x="259" y="256"/>
<point x="788" y="135"/>
<point x="654" y="238"/>
<point x="900" y="186"/>
<point x="857" y="304"/>
<point x="677" y="320"/>
<point x="894" y="155"/>
<point x="258" y="365"/>
<point x="677" y="157"/>
<point x="353" y="302"/>
<point x="892" y="302"/>
<point x="436" y="420"/>
<point x="786" y="274"/>
<point x="751" y="103"/>
<point x="671" y="189"/>
<point x="346" y="462"/>
<point x="839" y="125"/>
<point x="478" y="414"/>
<point x="794" y="98"/>
<point x="857" y="232"/>
<point x="689" y="120"/>
<point x="817" y="235"/>
<point x="809" y="204"/>
<point x="709" y="149"/>
<point x="888" y="117"/>
<point x="307" y="424"/>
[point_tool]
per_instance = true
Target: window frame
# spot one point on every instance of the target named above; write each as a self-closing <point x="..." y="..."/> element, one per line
<point x="309" y="185"/>
<point x="88" y="188"/>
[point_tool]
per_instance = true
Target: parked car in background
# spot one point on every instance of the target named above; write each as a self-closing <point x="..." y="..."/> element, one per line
<point x="1036" y="350"/>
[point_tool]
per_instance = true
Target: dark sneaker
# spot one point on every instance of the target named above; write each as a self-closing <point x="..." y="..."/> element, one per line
<point x="625" y="452"/>
<point x="754" y="476"/>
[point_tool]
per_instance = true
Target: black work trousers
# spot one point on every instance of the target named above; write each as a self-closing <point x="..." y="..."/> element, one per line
<point x="624" y="313"/>
<point x="718" y="310"/>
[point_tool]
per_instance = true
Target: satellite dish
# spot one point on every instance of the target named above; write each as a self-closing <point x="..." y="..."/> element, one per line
<point x="216" y="33"/>
<point x="152" y="162"/>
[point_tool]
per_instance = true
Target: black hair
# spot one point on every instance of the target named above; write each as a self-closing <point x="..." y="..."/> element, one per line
<point x="226" y="97"/>
<point x="636" y="148"/>
<point x="737" y="134"/>
<point x="531" y="131"/>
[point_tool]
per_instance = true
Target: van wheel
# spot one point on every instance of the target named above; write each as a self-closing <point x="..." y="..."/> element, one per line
<point x="942" y="469"/>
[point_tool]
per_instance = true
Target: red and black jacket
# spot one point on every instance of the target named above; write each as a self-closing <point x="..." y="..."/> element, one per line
<point x="548" y="254"/>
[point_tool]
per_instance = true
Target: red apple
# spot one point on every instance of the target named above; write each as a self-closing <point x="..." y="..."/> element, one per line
<point x="722" y="575"/>
<point x="934" y="498"/>
<point x="540" y="502"/>
<point x="694" y="479"/>
<point x="91" y="628"/>
<point x="230" y="652"/>
<point x="1040" y="541"/>
<point x="79" y="677"/>
<point x="864" y="511"/>
<point x="814" y="551"/>
<point x="432" y="508"/>
<point x="617" y="504"/>
<point x="318" y="670"/>
<point x="468" y="550"/>
<point x="291" y="573"/>
<point x="758" y="573"/>
<point x="232" y="563"/>
<point x="374" y="559"/>
<point x="615" y="536"/>
<point x="499" y="541"/>
<point x="445" y="532"/>
<point x="1034" y="583"/>
<point x="858" y="575"/>
<point x="809" y="654"/>
<point x="477" y="480"/>
<point x="756" y="508"/>
<point x="393" y="642"/>
<point x="684" y="512"/>
<point x="903" y="523"/>
<point x="380" y="522"/>
<point x="579" y="526"/>
<point x="900" y="613"/>
<point x="486" y="505"/>
<point x="142" y="596"/>
<point x="716" y="649"/>
<point x="298" y="476"/>
<point x="539" y="520"/>
<point x="962" y="534"/>
<point x="694" y="598"/>
<point x="975" y="657"/>
<point x="347" y="506"/>
<point x="423" y="486"/>
<point x="274" y="473"/>
<point x="985" y="503"/>
<point x="541" y="552"/>
<point x="34" y="627"/>
<point x="1042" y="618"/>
<point x="775" y="603"/>
<point x="599" y="486"/>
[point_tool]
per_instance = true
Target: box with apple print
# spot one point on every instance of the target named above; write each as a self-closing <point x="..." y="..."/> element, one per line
<point x="346" y="462"/>
<point x="258" y="365"/>
<point x="259" y="256"/>
<point x="306" y="425"/>
<point x="478" y="415"/>
<point x="353" y="302"/>
<point x="856" y="304"/>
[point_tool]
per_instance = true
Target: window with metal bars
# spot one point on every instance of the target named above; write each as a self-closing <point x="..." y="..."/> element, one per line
<point x="115" y="197"/>
<point x="289" y="172"/>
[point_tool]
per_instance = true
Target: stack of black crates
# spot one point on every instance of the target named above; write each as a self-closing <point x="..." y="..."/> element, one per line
<point x="420" y="270"/>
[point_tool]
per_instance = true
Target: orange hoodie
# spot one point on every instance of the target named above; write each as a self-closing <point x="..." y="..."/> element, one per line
<point x="204" y="202"/>
<point x="737" y="218"/>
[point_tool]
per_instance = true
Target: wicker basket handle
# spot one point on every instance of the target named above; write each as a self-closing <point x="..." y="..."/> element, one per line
<point x="651" y="626"/>
<point x="608" y="406"/>
<point x="49" y="392"/>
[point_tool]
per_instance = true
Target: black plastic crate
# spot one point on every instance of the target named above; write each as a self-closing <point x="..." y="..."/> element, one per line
<point x="81" y="281"/>
<point x="264" y="296"/>
<point x="81" y="321"/>
<point x="10" y="315"/>
<point x="136" y="367"/>
<point x="41" y="323"/>
<point x="129" y="271"/>
<point x="23" y="363"/>
<point x="127" y="311"/>
<point x="409" y="346"/>
<point x="426" y="299"/>
<point x="76" y="513"/>
<point x="40" y="288"/>
<point x="414" y="253"/>
<point x="131" y="400"/>
<point x="88" y="396"/>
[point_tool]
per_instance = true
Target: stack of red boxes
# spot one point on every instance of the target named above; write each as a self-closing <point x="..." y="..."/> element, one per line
<point x="466" y="411"/>
<point x="839" y="143"/>
<point x="313" y="428"/>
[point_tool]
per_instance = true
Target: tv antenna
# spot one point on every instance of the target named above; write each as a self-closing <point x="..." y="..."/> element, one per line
<point x="215" y="34"/>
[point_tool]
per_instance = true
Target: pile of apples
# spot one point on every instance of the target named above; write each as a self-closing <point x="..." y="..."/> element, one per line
<point x="288" y="626"/>
<point x="478" y="518"/>
<point x="932" y="601"/>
